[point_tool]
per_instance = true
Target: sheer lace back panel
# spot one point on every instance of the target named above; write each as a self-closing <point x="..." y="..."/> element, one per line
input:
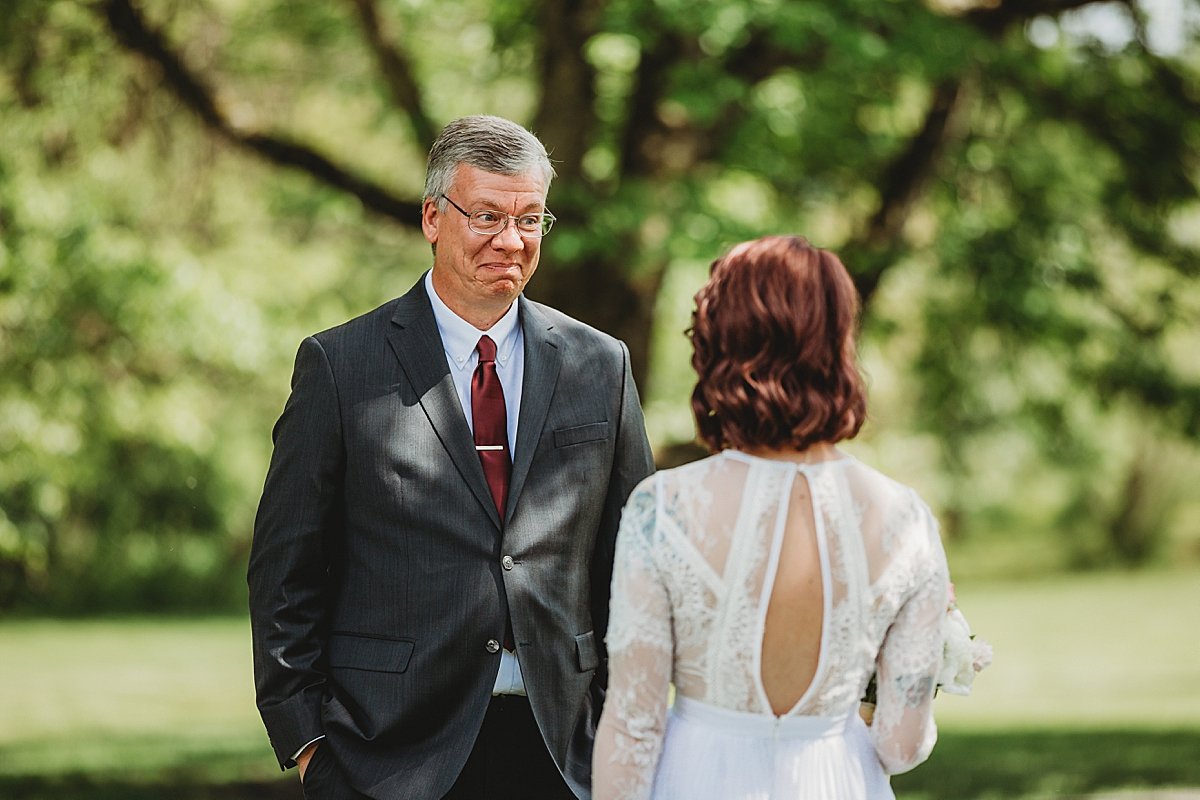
<point x="698" y="570"/>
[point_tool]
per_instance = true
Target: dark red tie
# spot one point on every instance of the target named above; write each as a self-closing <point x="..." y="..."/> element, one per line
<point x="491" y="423"/>
<point x="491" y="434"/>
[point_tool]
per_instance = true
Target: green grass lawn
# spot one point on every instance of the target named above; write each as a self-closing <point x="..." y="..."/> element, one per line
<point x="1095" y="687"/>
<point x="128" y="701"/>
<point x="1108" y="651"/>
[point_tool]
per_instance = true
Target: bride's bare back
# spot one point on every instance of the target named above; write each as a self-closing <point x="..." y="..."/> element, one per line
<point x="791" y="644"/>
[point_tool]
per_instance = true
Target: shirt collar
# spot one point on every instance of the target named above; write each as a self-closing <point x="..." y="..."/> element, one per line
<point x="460" y="337"/>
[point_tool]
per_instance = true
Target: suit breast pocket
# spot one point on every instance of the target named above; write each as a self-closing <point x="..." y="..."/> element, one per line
<point x="581" y="434"/>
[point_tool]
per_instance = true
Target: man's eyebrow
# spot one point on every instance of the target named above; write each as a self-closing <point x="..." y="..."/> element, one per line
<point x="533" y="206"/>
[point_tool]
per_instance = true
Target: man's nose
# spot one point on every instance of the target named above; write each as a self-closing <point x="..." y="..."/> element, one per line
<point x="509" y="238"/>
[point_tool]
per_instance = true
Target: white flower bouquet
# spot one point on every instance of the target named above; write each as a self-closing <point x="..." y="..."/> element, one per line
<point x="964" y="655"/>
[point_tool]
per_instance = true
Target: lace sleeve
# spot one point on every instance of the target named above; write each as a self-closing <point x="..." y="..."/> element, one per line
<point x="640" y="647"/>
<point x="903" y="731"/>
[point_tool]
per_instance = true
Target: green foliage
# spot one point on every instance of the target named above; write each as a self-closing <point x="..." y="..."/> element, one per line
<point x="109" y="413"/>
<point x="149" y="303"/>
<point x="1057" y="270"/>
<point x="1021" y="218"/>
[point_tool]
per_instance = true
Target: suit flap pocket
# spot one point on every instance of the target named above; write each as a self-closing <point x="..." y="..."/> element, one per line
<point x="585" y="645"/>
<point x="564" y="437"/>
<point x="347" y="651"/>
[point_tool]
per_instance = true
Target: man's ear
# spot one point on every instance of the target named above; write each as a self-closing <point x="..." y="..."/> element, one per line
<point x="430" y="220"/>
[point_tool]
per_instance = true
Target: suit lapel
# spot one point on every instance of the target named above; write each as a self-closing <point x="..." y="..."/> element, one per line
<point x="418" y="346"/>
<point x="543" y="358"/>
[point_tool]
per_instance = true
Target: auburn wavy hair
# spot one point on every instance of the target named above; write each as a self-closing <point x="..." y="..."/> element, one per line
<point x="773" y="338"/>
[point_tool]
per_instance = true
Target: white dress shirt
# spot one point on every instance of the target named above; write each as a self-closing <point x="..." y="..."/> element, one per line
<point x="459" y="338"/>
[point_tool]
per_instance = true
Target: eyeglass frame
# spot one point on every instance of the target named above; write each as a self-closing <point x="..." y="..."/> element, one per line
<point x="547" y="220"/>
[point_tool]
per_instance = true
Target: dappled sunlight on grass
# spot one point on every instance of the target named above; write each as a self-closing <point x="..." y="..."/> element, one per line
<point x="1095" y="687"/>
<point x="1034" y="763"/>
<point x="1084" y="651"/>
<point x="113" y="678"/>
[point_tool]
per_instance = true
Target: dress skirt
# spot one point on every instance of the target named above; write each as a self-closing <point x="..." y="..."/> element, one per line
<point x="712" y="752"/>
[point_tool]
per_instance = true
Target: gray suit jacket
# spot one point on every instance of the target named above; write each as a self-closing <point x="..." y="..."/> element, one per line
<point x="377" y="574"/>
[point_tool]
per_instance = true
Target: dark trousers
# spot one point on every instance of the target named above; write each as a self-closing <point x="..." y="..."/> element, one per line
<point x="324" y="779"/>
<point x="509" y="762"/>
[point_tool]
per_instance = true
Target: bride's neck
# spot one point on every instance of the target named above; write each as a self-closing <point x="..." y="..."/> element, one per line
<point x="822" y="451"/>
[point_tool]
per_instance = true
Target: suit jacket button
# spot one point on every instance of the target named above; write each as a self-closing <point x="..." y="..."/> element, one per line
<point x="507" y="562"/>
<point x="493" y="646"/>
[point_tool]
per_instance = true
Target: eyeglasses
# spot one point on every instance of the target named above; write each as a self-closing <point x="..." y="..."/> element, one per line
<point x="489" y="223"/>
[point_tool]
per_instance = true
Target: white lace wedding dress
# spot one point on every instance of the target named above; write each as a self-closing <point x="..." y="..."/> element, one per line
<point x="697" y="557"/>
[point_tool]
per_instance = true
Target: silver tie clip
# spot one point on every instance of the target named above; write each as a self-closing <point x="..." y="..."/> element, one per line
<point x="489" y="447"/>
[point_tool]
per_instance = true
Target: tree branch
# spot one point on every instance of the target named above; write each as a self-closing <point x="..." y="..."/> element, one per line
<point x="904" y="180"/>
<point x="906" y="176"/>
<point x="997" y="20"/>
<point x="396" y="69"/>
<point x="902" y="183"/>
<point x="132" y="32"/>
<point x="649" y="143"/>
<point x="759" y="57"/>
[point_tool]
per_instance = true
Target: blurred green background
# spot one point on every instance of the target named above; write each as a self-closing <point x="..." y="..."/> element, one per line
<point x="189" y="187"/>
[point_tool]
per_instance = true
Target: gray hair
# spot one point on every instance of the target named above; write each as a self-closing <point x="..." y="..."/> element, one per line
<point x="492" y="144"/>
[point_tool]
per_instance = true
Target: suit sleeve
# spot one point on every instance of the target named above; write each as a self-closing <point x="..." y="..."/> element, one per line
<point x="298" y="518"/>
<point x="632" y="462"/>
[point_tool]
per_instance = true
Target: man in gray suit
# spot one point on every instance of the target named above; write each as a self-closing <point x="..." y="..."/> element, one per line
<point x="432" y="554"/>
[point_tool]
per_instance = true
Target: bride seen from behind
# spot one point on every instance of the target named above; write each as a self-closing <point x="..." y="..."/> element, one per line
<point x="771" y="580"/>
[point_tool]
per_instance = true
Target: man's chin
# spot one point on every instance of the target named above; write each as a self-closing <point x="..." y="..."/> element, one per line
<point x="505" y="287"/>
